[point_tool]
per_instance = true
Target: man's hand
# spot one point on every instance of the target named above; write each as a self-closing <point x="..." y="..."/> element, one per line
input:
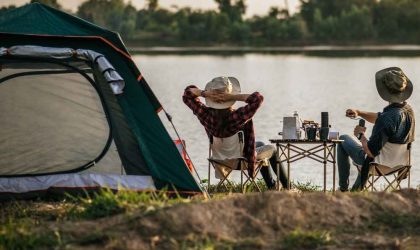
<point x="368" y="116"/>
<point x="352" y="113"/>
<point x="359" y="130"/>
<point x="195" y="91"/>
<point x="216" y="95"/>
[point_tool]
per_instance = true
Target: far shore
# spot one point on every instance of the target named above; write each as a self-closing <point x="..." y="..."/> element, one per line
<point x="404" y="50"/>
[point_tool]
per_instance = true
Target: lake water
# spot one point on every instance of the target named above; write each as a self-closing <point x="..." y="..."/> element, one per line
<point x="307" y="84"/>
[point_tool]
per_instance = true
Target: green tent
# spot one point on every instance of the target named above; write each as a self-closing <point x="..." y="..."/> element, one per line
<point x="63" y="118"/>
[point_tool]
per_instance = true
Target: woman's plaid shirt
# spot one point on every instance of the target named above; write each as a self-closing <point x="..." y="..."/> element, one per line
<point x="240" y="119"/>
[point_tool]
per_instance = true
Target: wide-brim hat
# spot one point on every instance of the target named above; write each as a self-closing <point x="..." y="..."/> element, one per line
<point x="228" y="85"/>
<point x="393" y="85"/>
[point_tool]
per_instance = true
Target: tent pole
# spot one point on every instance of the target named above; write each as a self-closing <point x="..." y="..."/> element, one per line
<point x="169" y="117"/>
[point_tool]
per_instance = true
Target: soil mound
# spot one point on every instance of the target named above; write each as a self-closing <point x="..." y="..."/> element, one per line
<point x="273" y="220"/>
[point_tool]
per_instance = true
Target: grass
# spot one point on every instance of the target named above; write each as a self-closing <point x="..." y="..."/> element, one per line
<point x="306" y="186"/>
<point x="298" y="239"/>
<point x="106" y="203"/>
<point x="234" y="187"/>
<point x="24" y="224"/>
<point x="20" y="234"/>
<point x="211" y="244"/>
<point x="388" y="221"/>
<point x="34" y="224"/>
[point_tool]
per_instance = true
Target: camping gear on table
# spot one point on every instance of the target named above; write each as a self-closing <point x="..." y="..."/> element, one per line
<point x="325" y="127"/>
<point x="76" y="111"/>
<point x="291" y="127"/>
<point x="311" y="129"/>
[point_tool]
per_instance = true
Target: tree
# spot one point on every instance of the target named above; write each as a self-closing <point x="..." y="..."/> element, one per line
<point x="330" y="8"/>
<point x="112" y="14"/>
<point x="234" y="9"/>
<point x="398" y="21"/>
<point x="7" y="8"/>
<point x="52" y="3"/>
<point x="152" y="5"/>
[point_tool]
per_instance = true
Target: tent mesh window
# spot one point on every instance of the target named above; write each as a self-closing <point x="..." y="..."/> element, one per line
<point x="53" y="120"/>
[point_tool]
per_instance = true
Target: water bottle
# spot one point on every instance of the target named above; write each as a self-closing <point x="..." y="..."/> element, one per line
<point x="298" y="132"/>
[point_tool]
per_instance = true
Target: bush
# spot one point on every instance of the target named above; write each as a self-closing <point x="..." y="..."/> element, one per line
<point x="298" y="239"/>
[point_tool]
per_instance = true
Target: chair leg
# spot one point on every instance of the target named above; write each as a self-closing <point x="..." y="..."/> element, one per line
<point x="242" y="179"/>
<point x="225" y="178"/>
<point x="409" y="177"/>
<point x="390" y="184"/>
<point x="208" y="179"/>
<point x="372" y="182"/>
<point x="252" y="181"/>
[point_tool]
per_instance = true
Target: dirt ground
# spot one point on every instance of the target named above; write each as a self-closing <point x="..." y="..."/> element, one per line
<point x="271" y="220"/>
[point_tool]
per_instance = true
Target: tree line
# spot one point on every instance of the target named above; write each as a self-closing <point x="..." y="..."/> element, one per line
<point x="317" y="21"/>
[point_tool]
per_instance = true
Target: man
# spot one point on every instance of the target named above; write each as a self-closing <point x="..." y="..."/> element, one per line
<point x="395" y="125"/>
<point x="221" y="120"/>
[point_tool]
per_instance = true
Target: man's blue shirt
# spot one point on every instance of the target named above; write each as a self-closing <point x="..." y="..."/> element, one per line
<point x="396" y="124"/>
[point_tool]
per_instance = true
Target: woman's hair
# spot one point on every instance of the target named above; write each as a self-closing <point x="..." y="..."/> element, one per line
<point x="222" y="117"/>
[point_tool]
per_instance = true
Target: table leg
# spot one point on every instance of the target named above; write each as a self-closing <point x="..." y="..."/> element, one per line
<point x="334" y="165"/>
<point x="325" y="167"/>
<point x="278" y="167"/>
<point x="288" y="165"/>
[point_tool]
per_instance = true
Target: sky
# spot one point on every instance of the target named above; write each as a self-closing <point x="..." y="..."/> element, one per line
<point x="255" y="7"/>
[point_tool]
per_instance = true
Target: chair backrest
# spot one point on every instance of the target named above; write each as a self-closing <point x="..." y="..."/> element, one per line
<point x="393" y="155"/>
<point x="228" y="147"/>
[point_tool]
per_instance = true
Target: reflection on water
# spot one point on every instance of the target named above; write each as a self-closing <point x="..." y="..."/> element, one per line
<point x="308" y="84"/>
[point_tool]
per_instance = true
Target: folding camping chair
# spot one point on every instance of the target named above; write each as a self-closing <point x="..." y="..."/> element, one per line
<point x="394" y="161"/>
<point x="226" y="155"/>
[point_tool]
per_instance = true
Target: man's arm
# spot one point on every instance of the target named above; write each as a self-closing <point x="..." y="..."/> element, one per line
<point x="361" y="130"/>
<point x="190" y="98"/>
<point x="218" y="96"/>
<point x="368" y="116"/>
<point x="364" y="142"/>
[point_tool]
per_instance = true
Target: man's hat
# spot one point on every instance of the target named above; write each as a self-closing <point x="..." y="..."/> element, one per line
<point x="393" y="85"/>
<point x="228" y="85"/>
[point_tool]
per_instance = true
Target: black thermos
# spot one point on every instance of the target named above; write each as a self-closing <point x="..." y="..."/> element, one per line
<point x="324" y="120"/>
<point x="324" y="130"/>
<point x="361" y="124"/>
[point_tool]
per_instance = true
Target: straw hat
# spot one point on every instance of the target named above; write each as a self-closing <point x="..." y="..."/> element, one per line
<point x="228" y="84"/>
<point x="393" y="85"/>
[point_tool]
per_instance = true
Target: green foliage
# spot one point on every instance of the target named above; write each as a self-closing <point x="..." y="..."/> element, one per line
<point x="317" y="21"/>
<point x="298" y="239"/>
<point x="113" y="14"/>
<point x="306" y="187"/>
<point x="107" y="203"/>
<point x="6" y="8"/>
<point x="234" y="9"/>
<point x="233" y="187"/>
<point x="391" y="221"/>
<point x="52" y="3"/>
<point x="397" y="20"/>
<point x="354" y="24"/>
<point x="21" y="234"/>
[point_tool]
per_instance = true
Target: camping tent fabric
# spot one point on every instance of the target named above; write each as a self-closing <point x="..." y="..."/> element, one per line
<point x="40" y="25"/>
<point x="68" y="181"/>
<point x="108" y="71"/>
<point x="51" y="123"/>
